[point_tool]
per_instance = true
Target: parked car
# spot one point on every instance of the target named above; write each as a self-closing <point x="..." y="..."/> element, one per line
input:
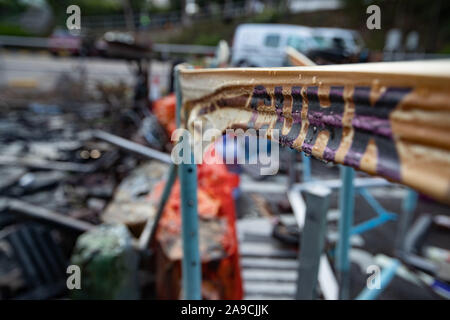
<point x="264" y="45"/>
<point x="62" y="42"/>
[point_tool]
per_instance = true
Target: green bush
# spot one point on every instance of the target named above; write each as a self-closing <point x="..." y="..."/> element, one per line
<point x="12" y="30"/>
<point x="208" y="39"/>
<point x="267" y="16"/>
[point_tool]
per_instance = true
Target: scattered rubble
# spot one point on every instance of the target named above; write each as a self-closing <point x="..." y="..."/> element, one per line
<point x="63" y="174"/>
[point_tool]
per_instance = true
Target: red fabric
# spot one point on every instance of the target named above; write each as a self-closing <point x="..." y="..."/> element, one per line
<point x="164" y="111"/>
<point x="215" y="187"/>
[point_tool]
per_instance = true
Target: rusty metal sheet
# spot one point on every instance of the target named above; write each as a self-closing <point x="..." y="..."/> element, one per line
<point x="387" y="119"/>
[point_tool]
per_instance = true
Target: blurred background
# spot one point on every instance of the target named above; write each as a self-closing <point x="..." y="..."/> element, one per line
<point x="85" y="122"/>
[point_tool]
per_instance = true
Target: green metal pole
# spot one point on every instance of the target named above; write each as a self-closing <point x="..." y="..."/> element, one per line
<point x="346" y="206"/>
<point x="409" y="205"/>
<point x="386" y="276"/>
<point x="191" y="264"/>
<point x="306" y="168"/>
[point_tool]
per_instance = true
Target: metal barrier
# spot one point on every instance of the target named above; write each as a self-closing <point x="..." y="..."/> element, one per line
<point x="44" y="43"/>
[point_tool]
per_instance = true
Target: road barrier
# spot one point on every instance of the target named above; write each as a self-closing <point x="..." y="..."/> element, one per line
<point x="44" y="43"/>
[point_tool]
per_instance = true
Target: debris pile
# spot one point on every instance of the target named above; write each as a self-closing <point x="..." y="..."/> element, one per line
<point x="78" y="166"/>
<point x="58" y="178"/>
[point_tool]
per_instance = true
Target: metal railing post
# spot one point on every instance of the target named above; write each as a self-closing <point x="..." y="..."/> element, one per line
<point x="385" y="278"/>
<point x="317" y="200"/>
<point x="191" y="264"/>
<point x="409" y="205"/>
<point x="306" y="167"/>
<point x="346" y="206"/>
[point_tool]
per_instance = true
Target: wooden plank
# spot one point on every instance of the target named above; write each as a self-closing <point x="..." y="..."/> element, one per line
<point x="45" y="215"/>
<point x="386" y="119"/>
<point x="260" y="263"/>
<point x="249" y="249"/>
<point x="269" y="288"/>
<point x="269" y="275"/>
<point x="296" y="58"/>
<point x="262" y="297"/>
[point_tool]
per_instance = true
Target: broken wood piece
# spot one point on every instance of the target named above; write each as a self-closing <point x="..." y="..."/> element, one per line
<point x="45" y="164"/>
<point x="45" y="215"/>
<point x="132" y="146"/>
<point x="298" y="59"/>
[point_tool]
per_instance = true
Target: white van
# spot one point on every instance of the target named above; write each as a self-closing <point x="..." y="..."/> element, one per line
<point x="350" y="40"/>
<point x="264" y="45"/>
